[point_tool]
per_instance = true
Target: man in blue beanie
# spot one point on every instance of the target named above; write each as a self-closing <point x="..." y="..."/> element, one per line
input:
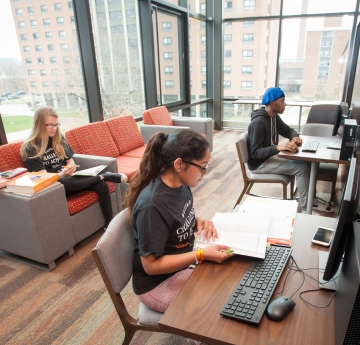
<point x="263" y="143"/>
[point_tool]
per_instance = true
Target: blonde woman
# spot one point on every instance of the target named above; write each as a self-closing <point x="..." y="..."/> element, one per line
<point x="46" y="149"/>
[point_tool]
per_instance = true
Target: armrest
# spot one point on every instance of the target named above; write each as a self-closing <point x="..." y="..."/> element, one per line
<point x="147" y="131"/>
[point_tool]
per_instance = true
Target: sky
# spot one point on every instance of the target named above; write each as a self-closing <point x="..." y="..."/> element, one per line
<point x="9" y="41"/>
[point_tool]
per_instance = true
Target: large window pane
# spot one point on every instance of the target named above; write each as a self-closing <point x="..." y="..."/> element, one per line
<point x="317" y="6"/>
<point x="250" y="8"/>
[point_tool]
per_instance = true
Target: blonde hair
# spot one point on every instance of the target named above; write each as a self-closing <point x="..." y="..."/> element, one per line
<point x="39" y="137"/>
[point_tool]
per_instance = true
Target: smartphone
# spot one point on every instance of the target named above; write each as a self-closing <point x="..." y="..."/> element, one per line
<point x="323" y="236"/>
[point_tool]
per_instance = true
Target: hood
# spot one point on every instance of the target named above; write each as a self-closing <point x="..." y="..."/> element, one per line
<point x="259" y="112"/>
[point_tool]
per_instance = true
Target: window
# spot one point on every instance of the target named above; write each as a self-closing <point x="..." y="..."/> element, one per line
<point x="53" y="60"/>
<point x="36" y="36"/>
<point x="168" y="56"/>
<point x="48" y="35"/>
<point x="57" y="84"/>
<point x="67" y="72"/>
<point x="40" y="61"/>
<point x="33" y="83"/>
<point x="203" y="84"/>
<point x="21" y="25"/>
<point x="227" y="54"/>
<point x="26" y="49"/>
<point x="247" y="69"/>
<point x="28" y="61"/>
<point x="227" y="84"/>
<point x="51" y="47"/>
<point x="133" y="42"/>
<point x="246" y="85"/>
<point x="33" y="23"/>
<point x="202" y="8"/>
<point x="228" y="5"/>
<point x="55" y="72"/>
<point x="117" y="29"/>
<point x="44" y="9"/>
<point x="57" y="7"/>
<point x="169" y="83"/>
<point x="203" y="39"/>
<point x="72" y="19"/>
<point x="131" y="28"/>
<point x="71" y="6"/>
<point x="60" y="21"/>
<point x="247" y="54"/>
<point x="70" y="84"/>
<point x="203" y="25"/>
<point x="23" y="37"/>
<point x="227" y="38"/>
<point x="115" y="15"/>
<point x="45" y="84"/>
<point x="167" y="41"/>
<point x="18" y="12"/>
<point x="203" y="69"/>
<point x="46" y="22"/>
<point x="62" y="34"/>
<point x="31" y="72"/>
<point x="38" y="49"/>
<point x="43" y="72"/>
<point x="249" y="24"/>
<point x="203" y="55"/>
<point x="166" y="26"/>
<point x="130" y="13"/>
<point x="227" y="69"/>
<point x="64" y="46"/>
<point x="168" y="70"/>
<point x="249" y="4"/>
<point x="248" y="38"/>
<point x="227" y="24"/>
<point x="31" y="10"/>
<point x="66" y="59"/>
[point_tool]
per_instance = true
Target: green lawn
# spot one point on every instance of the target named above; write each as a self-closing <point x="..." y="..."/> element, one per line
<point x="17" y="123"/>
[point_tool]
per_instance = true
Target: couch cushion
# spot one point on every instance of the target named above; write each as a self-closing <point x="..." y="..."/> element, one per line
<point x="157" y="116"/>
<point x="92" y="139"/>
<point x="81" y="200"/>
<point x="128" y="165"/>
<point x="125" y="133"/>
<point x="10" y="156"/>
<point x="137" y="153"/>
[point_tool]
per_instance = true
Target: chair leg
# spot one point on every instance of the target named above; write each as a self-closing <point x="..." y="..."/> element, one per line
<point x="246" y="187"/>
<point x="284" y="191"/>
<point x="333" y="188"/>
<point x="292" y="188"/>
<point x="129" y="333"/>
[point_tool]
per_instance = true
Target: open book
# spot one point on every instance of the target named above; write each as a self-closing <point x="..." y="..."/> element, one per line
<point x="245" y="234"/>
<point x="90" y="172"/>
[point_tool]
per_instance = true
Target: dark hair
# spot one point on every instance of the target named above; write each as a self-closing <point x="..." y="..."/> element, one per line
<point x="160" y="153"/>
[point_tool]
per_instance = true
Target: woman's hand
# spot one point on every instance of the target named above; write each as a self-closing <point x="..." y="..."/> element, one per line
<point x="68" y="171"/>
<point x="208" y="227"/>
<point x="216" y="253"/>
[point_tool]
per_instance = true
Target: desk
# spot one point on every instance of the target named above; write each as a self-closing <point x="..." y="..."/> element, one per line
<point x="195" y="312"/>
<point x="323" y="154"/>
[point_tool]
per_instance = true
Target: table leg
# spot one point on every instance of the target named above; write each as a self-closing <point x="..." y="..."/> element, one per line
<point x="312" y="186"/>
<point x="299" y="123"/>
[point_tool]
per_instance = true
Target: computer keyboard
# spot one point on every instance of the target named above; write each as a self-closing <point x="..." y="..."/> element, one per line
<point x="250" y="298"/>
<point x="310" y="146"/>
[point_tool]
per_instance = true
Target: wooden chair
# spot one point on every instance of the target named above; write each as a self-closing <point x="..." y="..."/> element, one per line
<point x="242" y="150"/>
<point x="113" y="255"/>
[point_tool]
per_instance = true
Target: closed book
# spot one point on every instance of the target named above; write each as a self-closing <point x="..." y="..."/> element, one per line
<point x="12" y="173"/>
<point x="32" y="182"/>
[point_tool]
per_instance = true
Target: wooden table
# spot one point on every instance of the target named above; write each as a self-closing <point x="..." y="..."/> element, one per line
<point x="323" y="154"/>
<point x="195" y="312"/>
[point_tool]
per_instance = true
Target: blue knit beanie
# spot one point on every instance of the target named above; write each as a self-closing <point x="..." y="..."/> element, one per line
<point x="272" y="94"/>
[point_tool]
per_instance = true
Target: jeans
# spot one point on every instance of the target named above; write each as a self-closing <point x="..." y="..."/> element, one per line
<point x="301" y="170"/>
<point x="92" y="183"/>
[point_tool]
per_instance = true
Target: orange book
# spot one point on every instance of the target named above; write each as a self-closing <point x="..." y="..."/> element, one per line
<point x="32" y="182"/>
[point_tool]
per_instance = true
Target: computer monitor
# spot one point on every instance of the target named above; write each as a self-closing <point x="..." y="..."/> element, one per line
<point x="343" y="224"/>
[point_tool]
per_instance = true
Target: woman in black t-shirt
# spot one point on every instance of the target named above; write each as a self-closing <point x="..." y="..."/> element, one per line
<point x="163" y="216"/>
<point x="46" y="149"/>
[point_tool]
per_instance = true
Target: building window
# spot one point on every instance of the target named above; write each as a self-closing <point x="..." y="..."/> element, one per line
<point x="227" y="54"/>
<point x="227" y="38"/>
<point x="203" y="55"/>
<point x="227" y="84"/>
<point x="66" y="59"/>
<point x="31" y="72"/>
<point x="71" y="6"/>
<point x="51" y="47"/>
<point x="62" y="34"/>
<point x="249" y="4"/>
<point x="53" y="60"/>
<point x="131" y="28"/>
<point x="31" y="10"/>
<point x="36" y="36"/>
<point x="40" y="61"/>
<point x="28" y="61"/>
<point x="247" y="54"/>
<point x="57" y="7"/>
<point x="249" y="24"/>
<point x="26" y="49"/>
<point x="38" y="49"/>
<point x="115" y="15"/>
<point x="64" y="46"/>
<point x="248" y="38"/>
<point x="43" y="72"/>
<point x="117" y="29"/>
<point x="67" y="72"/>
<point x="203" y="39"/>
<point x="18" y="12"/>
<point x="247" y="70"/>
<point x="168" y="70"/>
<point x="45" y="84"/>
<point x="203" y="25"/>
<point x="33" y="23"/>
<point x="227" y="69"/>
<point x="202" y="8"/>
<point x="33" y="83"/>
<point x="130" y="13"/>
<point x="167" y="41"/>
<point x="44" y="9"/>
<point x="133" y="42"/>
<point x="203" y="84"/>
<point x="46" y="22"/>
<point x="168" y="56"/>
<point x="203" y="69"/>
<point x="227" y="24"/>
<point x="57" y="84"/>
<point x="48" y="35"/>
<point x="55" y="72"/>
<point x="70" y="84"/>
<point x="169" y="84"/>
<point x="228" y="5"/>
<point x="60" y="21"/>
<point x="166" y="26"/>
<point x="246" y="85"/>
<point x="72" y="19"/>
<point x="21" y="25"/>
<point x="23" y="37"/>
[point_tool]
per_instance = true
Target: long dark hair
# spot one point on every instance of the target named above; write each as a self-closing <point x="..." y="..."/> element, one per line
<point x="160" y="153"/>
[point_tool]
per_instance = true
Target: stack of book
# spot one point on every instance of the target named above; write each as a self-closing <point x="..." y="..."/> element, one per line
<point x="31" y="182"/>
<point x="9" y="175"/>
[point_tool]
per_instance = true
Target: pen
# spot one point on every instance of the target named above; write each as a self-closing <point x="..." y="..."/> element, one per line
<point x="228" y="251"/>
<point x="69" y="166"/>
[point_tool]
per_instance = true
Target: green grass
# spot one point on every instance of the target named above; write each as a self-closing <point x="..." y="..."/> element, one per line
<point x="17" y="123"/>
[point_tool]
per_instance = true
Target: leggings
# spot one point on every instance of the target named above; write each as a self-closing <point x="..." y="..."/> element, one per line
<point x="92" y="183"/>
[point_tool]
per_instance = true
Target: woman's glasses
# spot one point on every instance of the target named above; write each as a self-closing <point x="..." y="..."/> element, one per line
<point x="202" y="168"/>
<point x="52" y="125"/>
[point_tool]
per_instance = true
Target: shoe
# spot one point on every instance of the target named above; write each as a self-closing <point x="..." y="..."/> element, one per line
<point x="114" y="177"/>
<point x="322" y="208"/>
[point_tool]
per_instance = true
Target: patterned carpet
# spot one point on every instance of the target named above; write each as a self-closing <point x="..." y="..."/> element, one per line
<point x="70" y="305"/>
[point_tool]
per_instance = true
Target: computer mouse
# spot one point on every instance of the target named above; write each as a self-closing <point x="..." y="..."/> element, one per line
<point x="279" y="308"/>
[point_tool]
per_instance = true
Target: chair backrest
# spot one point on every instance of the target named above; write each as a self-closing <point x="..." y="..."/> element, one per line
<point x="243" y="154"/>
<point x="326" y="114"/>
<point x="316" y="129"/>
<point x="157" y="116"/>
<point x="10" y="156"/>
